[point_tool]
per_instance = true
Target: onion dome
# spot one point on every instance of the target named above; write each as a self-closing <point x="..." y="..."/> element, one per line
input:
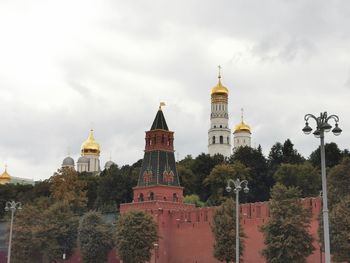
<point x="83" y="159"/>
<point x="242" y="126"/>
<point x="5" y="177"/>
<point x="109" y="164"/>
<point x="90" y="145"/>
<point x="219" y="88"/>
<point x="68" y="161"/>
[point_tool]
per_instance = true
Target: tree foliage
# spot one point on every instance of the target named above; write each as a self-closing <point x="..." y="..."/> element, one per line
<point x="340" y="230"/>
<point x="44" y="231"/>
<point x="115" y="187"/>
<point x="67" y="188"/>
<point x="193" y="199"/>
<point x="260" y="181"/>
<point x="304" y="176"/>
<point x="224" y="230"/>
<point x="332" y="153"/>
<point x="135" y="236"/>
<point x="338" y="181"/>
<point x="217" y="180"/>
<point x="286" y="233"/>
<point x="95" y="238"/>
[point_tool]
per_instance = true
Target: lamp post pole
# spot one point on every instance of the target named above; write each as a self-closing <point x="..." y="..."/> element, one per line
<point x="238" y="187"/>
<point x="323" y="126"/>
<point x="155" y="252"/>
<point x="13" y="206"/>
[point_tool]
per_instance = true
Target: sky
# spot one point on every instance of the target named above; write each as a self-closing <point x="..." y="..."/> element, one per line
<point x="69" y="66"/>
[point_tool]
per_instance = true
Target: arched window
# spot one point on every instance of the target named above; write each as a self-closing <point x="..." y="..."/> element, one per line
<point x="151" y="196"/>
<point x="228" y="140"/>
<point x="221" y="139"/>
<point x="175" y="199"/>
<point x="163" y="139"/>
<point x="155" y="139"/>
<point x="220" y="126"/>
<point x="214" y="126"/>
<point x="213" y="139"/>
<point x="141" y="198"/>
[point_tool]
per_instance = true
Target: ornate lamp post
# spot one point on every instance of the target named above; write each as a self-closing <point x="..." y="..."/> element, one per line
<point x="13" y="206"/>
<point x="238" y="187"/>
<point x="323" y="126"/>
<point x="156" y="246"/>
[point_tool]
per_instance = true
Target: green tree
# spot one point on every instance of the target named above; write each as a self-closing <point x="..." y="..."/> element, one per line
<point x="338" y="180"/>
<point x="115" y="187"/>
<point x="94" y="238"/>
<point x="291" y="155"/>
<point x="286" y="233"/>
<point x="332" y="153"/>
<point x="187" y="179"/>
<point x="224" y="230"/>
<point x="201" y="167"/>
<point x="66" y="187"/>
<point x="135" y="236"/>
<point x="275" y="157"/>
<point x="26" y="243"/>
<point x="91" y="182"/>
<point x="340" y="230"/>
<point x="193" y="199"/>
<point x="217" y="180"/>
<point x="304" y="176"/>
<point x="57" y="231"/>
<point x="43" y="231"/>
<point x="260" y="181"/>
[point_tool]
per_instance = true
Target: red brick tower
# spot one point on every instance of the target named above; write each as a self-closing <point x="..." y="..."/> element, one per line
<point x="158" y="179"/>
<point x="158" y="190"/>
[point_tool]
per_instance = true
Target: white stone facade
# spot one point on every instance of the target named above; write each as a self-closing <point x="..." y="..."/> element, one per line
<point x="219" y="134"/>
<point x="240" y="139"/>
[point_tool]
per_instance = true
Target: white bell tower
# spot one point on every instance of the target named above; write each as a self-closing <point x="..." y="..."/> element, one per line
<point x="219" y="134"/>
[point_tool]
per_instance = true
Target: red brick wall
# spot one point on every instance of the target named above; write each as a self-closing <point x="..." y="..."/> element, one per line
<point x="186" y="237"/>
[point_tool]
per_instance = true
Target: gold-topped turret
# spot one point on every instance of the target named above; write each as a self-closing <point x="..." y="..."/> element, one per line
<point x="219" y="88"/>
<point x="90" y="145"/>
<point x="5" y="177"/>
<point x="242" y="126"/>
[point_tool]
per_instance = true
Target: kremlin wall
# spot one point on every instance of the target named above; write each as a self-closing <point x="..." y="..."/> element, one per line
<point x="184" y="230"/>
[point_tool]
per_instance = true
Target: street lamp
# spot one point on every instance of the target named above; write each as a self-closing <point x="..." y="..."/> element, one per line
<point x="238" y="187"/>
<point x="156" y="246"/>
<point x="323" y="126"/>
<point x="13" y="206"/>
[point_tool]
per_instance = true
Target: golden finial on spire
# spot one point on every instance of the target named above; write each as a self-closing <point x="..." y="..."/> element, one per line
<point x="219" y="88"/>
<point x="161" y="104"/>
<point x="242" y="112"/>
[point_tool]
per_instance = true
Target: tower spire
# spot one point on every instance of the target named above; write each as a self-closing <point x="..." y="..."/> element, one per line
<point x="219" y="75"/>
<point x="242" y="112"/>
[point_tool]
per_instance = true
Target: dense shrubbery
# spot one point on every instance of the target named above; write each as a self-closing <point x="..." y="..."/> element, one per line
<point x="52" y="208"/>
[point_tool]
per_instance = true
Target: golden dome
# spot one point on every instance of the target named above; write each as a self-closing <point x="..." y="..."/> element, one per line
<point x="90" y="145"/>
<point x="219" y="88"/>
<point x="242" y="127"/>
<point x="5" y="177"/>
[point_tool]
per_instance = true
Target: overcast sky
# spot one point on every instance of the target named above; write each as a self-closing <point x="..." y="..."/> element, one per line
<point x="67" y="66"/>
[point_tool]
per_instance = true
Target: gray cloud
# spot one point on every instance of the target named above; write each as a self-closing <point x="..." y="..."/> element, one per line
<point x="108" y="65"/>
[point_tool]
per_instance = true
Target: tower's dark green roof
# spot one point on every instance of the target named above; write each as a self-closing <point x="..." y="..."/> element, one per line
<point x="159" y="122"/>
